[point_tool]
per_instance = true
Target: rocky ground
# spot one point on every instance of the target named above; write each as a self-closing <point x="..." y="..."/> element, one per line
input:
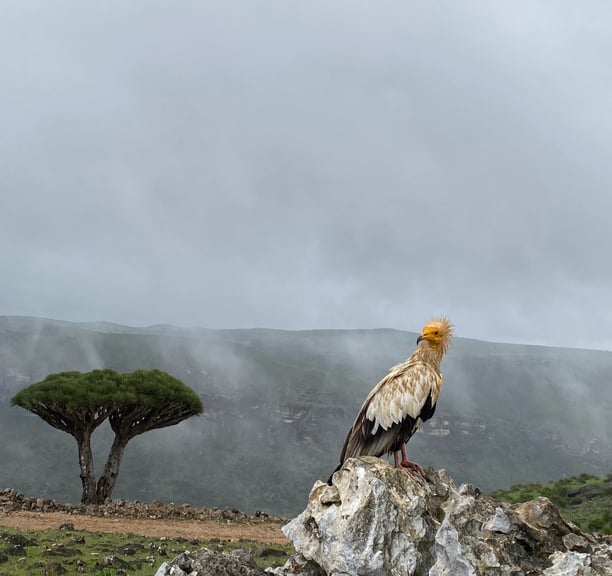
<point x="155" y="519"/>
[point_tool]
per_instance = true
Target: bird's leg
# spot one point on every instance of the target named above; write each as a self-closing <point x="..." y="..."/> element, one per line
<point x="409" y="464"/>
<point x="406" y="465"/>
<point x="396" y="459"/>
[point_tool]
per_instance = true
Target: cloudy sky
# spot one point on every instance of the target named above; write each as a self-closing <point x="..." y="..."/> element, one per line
<point x="319" y="164"/>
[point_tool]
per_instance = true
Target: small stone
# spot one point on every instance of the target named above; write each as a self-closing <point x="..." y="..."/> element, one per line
<point x="499" y="523"/>
<point x="67" y="526"/>
<point x="163" y="570"/>
<point x="576" y="542"/>
<point x="329" y="495"/>
<point x="16" y="550"/>
<point x="53" y="569"/>
<point x="569" y="564"/>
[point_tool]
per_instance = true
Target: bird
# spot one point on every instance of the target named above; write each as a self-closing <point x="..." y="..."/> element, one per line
<point x="405" y="398"/>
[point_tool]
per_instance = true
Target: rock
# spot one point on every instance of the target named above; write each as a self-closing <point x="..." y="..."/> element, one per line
<point x="18" y="540"/>
<point x="576" y="542"/>
<point x="16" y="550"/>
<point x="53" y="569"/>
<point x="499" y="523"/>
<point x="377" y="520"/>
<point x="11" y="500"/>
<point x="67" y="526"/>
<point x="60" y="550"/>
<point x="204" y="561"/>
<point x="297" y="565"/>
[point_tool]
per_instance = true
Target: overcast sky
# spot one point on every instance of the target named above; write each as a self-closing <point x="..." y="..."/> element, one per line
<point x="314" y="164"/>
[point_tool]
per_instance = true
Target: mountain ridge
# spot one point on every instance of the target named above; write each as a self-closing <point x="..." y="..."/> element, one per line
<point x="98" y="325"/>
<point x="279" y="403"/>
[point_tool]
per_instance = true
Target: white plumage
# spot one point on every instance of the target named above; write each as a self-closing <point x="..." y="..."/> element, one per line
<point x="401" y="401"/>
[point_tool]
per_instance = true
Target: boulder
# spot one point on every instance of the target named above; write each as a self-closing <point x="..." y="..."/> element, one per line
<point x="204" y="561"/>
<point x="376" y="520"/>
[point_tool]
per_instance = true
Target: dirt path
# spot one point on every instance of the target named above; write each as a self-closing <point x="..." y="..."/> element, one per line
<point x="266" y="532"/>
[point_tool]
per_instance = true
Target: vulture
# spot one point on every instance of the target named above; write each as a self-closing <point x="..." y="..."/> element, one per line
<point x="404" y="399"/>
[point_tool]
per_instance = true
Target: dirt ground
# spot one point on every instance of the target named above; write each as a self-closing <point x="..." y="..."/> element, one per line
<point x="265" y="532"/>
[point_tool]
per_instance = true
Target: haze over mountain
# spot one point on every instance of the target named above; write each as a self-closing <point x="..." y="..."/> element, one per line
<point x="279" y="403"/>
<point x="316" y="164"/>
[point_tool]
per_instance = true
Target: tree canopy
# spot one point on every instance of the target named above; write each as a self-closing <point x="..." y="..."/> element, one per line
<point x="73" y="401"/>
<point x="77" y="403"/>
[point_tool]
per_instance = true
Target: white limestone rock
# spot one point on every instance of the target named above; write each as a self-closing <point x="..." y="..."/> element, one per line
<point x="378" y="521"/>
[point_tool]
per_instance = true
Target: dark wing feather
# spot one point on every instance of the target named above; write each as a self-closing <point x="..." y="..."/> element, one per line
<point x="393" y="411"/>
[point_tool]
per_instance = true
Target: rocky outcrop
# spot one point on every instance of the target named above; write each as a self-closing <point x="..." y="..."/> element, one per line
<point x="378" y="521"/>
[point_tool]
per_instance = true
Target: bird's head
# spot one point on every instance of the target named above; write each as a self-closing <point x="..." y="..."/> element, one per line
<point x="438" y="332"/>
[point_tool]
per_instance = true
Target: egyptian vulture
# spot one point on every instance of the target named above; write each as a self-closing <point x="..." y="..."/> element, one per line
<point x="401" y="401"/>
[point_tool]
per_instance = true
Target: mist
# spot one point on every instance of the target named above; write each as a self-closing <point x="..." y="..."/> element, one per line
<point x="278" y="404"/>
<point x="269" y="201"/>
<point x="309" y="166"/>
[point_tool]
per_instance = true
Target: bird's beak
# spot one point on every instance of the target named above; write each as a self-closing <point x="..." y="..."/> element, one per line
<point x="420" y="338"/>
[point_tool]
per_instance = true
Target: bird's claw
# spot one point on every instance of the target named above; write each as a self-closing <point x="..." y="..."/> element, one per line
<point x="414" y="470"/>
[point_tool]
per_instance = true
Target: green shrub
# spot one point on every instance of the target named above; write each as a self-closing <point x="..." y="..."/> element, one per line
<point x="585" y="500"/>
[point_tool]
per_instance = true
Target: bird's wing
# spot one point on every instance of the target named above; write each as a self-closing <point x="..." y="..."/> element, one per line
<point x="403" y="392"/>
<point x="393" y="409"/>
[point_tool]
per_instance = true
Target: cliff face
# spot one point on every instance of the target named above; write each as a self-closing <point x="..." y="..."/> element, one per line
<point x="376" y="520"/>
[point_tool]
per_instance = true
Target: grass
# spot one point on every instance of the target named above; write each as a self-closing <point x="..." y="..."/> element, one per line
<point x="585" y="500"/>
<point x="65" y="552"/>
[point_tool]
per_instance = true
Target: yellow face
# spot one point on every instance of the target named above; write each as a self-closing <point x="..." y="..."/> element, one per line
<point x="437" y="331"/>
<point x="432" y="333"/>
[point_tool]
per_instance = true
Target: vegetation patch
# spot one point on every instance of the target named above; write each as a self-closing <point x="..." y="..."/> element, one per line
<point x="58" y="552"/>
<point x="585" y="500"/>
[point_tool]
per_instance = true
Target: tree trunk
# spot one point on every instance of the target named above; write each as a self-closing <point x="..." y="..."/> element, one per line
<point x="88" y="480"/>
<point x="106" y="483"/>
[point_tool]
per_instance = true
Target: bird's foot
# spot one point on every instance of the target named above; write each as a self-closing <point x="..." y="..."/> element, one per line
<point x="413" y="467"/>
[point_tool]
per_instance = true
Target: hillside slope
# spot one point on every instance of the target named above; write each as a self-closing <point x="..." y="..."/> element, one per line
<point x="278" y="405"/>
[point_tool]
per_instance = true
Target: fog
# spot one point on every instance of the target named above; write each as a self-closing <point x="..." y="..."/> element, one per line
<point x="318" y="165"/>
<point x="278" y="404"/>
